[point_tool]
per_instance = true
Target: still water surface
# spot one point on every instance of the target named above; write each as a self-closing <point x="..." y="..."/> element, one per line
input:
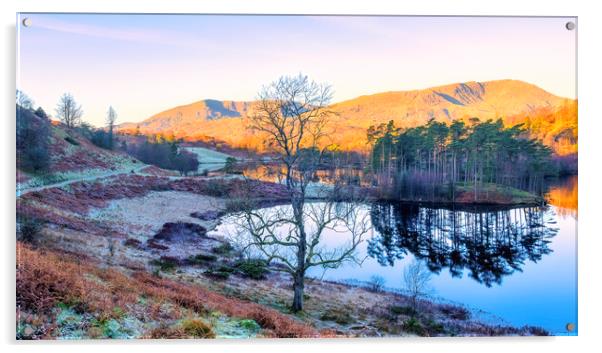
<point x="518" y="264"/>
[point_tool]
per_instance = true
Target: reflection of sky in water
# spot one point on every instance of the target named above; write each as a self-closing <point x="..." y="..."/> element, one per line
<point x="542" y="294"/>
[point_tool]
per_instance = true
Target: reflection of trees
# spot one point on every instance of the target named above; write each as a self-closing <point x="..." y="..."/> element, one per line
<point x="490" y="245"/>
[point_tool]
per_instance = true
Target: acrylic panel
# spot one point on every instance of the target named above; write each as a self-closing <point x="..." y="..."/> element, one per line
<point x="290" y="176"/>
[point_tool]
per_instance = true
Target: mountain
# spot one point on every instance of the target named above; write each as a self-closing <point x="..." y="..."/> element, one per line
<point x="226" y="120"/>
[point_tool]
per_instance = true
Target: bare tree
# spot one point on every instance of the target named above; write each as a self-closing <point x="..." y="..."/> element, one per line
<point x="417" y="276"/>
<point x="277" y="235"/>
<point x="23" y="100"/>
<point x="292" y="115"/>
<point x="68" y="111"/>
<point x="111" y="118"/>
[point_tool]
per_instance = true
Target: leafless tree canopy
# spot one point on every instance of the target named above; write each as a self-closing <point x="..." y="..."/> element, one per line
<point x="68" y="111"/>
<point x="23" y="100"/>
<point x="417" y="277"/>
<point x="292" y="112"/>
<point x="274" y="234"/>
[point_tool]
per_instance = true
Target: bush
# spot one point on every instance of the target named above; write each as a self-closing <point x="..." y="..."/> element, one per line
<point x="249" y="325"/>
<point x="412" y="325"/>
<point x="165" y="154"/>
<point x="72" y="141"/>
<point x="217" y="274"/>
<point x="339" y="316"/>
<point x="376" y="283"/>
<point x="165" y="263"/>
<point x="455" y="312"/>
<point x="403" y="310"/>
<point x="29" y="229"/>
<point x="33" y="141"/>
<point x="200" y="259"/>
<point x="197" y="328"/>
<point x="229" y="165"/>
<point x="434" y="328"/>
<point x="222" y="249"/>
<point x="253" y="268"/>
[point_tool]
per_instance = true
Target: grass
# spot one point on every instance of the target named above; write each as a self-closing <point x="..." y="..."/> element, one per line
<point x="496" y="193"/>
<point x="197" y="328"/>
<point x="46" y="278"/>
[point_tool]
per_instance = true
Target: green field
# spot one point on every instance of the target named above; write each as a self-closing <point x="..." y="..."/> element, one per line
<point x="209" y="160"/>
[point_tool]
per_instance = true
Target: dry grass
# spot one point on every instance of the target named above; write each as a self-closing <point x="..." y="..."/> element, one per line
<point x="45" y="279"/>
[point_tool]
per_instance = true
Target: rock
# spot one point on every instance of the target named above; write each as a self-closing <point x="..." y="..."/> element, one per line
<point x="207" y="216"/>
<point x="180" y="230"/>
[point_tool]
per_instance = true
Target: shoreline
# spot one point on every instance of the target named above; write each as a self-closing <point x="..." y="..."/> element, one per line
<point x="76" y="223"/>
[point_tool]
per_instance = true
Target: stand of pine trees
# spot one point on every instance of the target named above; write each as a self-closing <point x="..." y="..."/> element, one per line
<point x="430" y="162"/>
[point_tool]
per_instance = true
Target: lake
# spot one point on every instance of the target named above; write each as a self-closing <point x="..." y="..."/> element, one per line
<point x="518" y="265"/>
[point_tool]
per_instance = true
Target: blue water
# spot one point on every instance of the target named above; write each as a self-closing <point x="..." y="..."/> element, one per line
<point x="520" y="270"/>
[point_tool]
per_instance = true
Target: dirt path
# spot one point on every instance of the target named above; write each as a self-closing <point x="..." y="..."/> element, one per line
<point x="22" y="191"/>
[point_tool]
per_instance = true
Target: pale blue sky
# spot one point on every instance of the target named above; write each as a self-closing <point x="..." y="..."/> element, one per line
<point x="142" y="64"/>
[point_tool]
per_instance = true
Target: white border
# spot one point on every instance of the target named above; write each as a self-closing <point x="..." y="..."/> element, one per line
<point x="590" y="116"/>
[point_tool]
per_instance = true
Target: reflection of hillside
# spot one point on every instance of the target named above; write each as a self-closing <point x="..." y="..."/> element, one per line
<point x="488" y="244"/>
<point x="565" y="197"/>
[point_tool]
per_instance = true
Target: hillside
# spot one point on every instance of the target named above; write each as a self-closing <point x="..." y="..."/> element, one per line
<point x="71" y="157"/>
<point x="226" y="121"/>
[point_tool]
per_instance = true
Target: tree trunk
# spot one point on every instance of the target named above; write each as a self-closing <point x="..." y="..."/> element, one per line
<point x="299" y="275"/>
<point x="298" y="287"/>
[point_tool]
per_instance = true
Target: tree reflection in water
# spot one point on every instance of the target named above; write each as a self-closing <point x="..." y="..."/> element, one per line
<point x="488" y="244"/>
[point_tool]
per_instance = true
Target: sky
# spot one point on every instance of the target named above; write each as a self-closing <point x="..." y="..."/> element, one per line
<point x="144" y="64"/>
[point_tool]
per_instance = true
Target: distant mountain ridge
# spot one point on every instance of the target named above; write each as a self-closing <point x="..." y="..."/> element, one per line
<point x="226" y="120"/>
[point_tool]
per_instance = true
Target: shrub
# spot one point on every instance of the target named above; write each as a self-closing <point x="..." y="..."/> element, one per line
<point x="33" y="141"/>
<point x="134" y="243"/>
<point x="165" y="154"/>
<point x="164" y="331"/>
<point x="197" y="328"/>
<point x="229" y="165"/>
<point x="336" y="315"/>
<point x="249" y="325"/>
<point x="403" y="310"/>
<point x="253" y="268"/>
<point x="222" y="249"/>
<point x="376" y="283"/>
<point x="72" y="141"/>
<point x="434" y="328"/>
<point x="200" y="259"/>
<point x="456" y="312"/>
<point x="165" y="263"/>
<point x="412" y="325"/>
<point x="29" y="229"/>
<point x="216" y="274"/>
